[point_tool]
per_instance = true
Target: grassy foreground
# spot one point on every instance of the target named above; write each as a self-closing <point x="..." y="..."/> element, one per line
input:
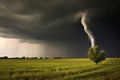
<point x="59" y="69"/>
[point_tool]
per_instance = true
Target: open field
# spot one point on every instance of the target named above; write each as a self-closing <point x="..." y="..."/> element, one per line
<point x="59" y="69"/>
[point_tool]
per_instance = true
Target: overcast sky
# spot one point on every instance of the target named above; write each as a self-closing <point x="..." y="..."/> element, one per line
<point x="53" y="27"/>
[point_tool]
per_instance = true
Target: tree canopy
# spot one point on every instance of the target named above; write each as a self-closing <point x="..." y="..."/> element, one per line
<point x="96" y="55"/>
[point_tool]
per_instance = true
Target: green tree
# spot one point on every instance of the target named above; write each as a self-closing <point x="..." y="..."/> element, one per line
<point x="96" y="55"/>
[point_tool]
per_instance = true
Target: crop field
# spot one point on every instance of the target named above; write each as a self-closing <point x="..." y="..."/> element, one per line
<point x="59" y="69"/>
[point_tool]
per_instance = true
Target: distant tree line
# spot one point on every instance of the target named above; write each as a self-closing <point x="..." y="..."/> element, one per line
<point x="6" y="57"/>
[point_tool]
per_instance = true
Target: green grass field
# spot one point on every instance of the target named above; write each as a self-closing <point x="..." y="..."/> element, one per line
<point x="59" y="69"/>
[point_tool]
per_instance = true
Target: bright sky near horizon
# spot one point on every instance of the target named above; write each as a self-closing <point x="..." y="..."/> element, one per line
<point x="14" y="48"/>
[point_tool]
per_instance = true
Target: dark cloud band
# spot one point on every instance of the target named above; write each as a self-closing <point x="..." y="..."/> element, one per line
<point x="43" y="19"/>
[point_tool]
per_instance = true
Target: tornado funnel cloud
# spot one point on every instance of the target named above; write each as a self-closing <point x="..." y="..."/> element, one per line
<point x="86" y="29"/>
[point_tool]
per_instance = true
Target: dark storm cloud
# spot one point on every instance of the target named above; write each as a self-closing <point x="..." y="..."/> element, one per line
<point x="58" y="21"/>
<point x="47" y="19"/>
